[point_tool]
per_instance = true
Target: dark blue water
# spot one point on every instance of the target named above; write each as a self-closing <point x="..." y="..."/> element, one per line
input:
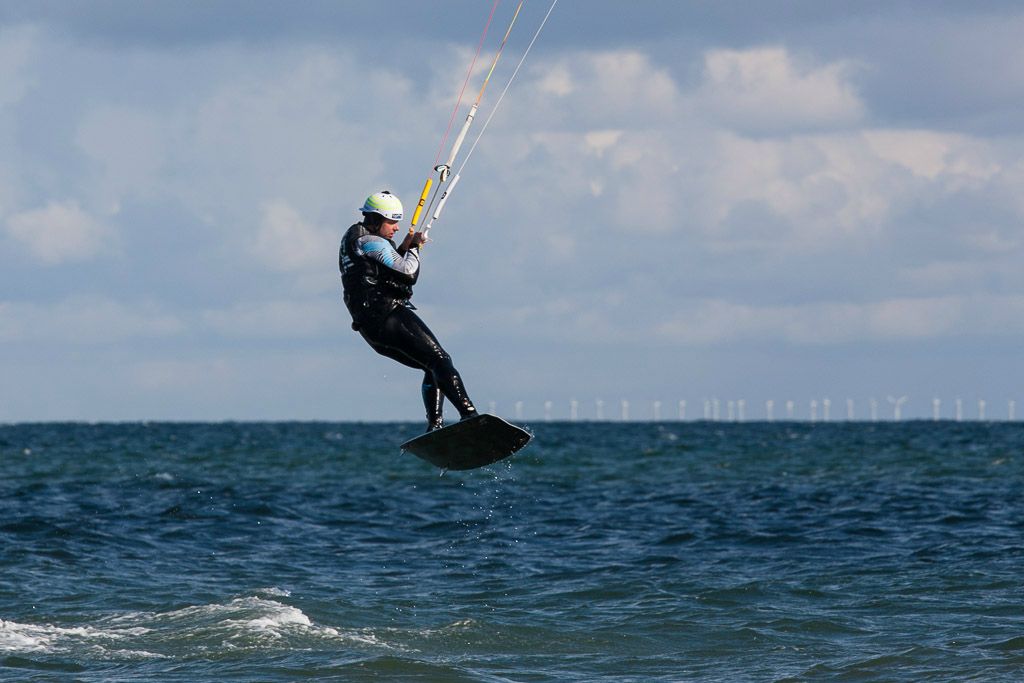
<point x="605" y="551"/>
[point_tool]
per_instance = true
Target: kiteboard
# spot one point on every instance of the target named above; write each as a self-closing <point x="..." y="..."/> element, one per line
<point x="469" y="443"/>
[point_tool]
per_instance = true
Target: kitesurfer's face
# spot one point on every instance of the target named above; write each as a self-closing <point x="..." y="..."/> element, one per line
<point x="388" y="228"/>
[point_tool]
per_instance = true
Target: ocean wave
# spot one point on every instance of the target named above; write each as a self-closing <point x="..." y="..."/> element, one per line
<point x="16" y="637"/>
<point x="254" y="622"/>
<point x="251" y="622"/>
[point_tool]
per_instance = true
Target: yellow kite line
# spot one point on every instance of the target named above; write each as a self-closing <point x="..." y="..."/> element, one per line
<point x="455" y="178"/>
<point x="445" y="169"/>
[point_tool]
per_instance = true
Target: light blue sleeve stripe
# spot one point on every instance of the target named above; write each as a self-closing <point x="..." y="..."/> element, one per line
<point x="379" y="249"/>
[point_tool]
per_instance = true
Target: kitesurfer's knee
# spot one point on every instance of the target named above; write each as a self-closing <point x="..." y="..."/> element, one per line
<point x="442" y="364"/>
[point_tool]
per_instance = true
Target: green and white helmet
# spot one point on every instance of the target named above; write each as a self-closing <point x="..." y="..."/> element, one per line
<point x="385" y="204"/>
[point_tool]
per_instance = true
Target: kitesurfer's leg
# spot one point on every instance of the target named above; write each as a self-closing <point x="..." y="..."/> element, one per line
<point x="433" y="401"/>
<point x="403" y="332"/>
<point x="390" y="352"/>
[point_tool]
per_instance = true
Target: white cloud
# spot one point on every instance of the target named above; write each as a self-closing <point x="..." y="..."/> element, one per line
<point x="591" y="90"/>
<point x="629" y="78"/>
<point x="714" y="321"/>
<point x="1009" y="183"/>
<point x="288" y="122"/>
<point x="207" y="375"/>
<point x="825" y="205"/>
<point x="718" y="188"/>
<point x="599" y="141"/>
<point x="280" y="318"/>
<point x="18" y="52"/>
<point x="963" y="160"/>
<point x="557" y="82"/>
<point x="17" y="49"/>
<point x="60" y="232"/>
<point x="701" y="322"/>
<point x="946" y="275"/>
<point x="639" y="145"/>
<point x="766" y="89"/>
<point x="129" y="148"/>
<point x="84" y="320"/>
<point x="287" y="243"/>
<point x="297" y="128"/>
<point x="824" y="190"/>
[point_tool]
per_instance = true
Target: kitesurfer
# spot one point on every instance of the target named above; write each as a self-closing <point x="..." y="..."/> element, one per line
<point x="378" y="278"/>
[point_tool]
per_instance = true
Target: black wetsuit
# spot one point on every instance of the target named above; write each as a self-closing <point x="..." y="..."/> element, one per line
<point x="378" y="284"/>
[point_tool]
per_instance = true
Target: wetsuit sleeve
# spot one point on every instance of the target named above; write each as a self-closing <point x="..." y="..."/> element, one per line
<point x="379" y="249"/>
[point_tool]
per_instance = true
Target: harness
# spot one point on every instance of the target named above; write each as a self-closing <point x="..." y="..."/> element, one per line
<point x="372" y="291"/>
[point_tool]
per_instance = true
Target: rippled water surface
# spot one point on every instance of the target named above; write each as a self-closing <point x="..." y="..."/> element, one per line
<point x="604" y="551"/>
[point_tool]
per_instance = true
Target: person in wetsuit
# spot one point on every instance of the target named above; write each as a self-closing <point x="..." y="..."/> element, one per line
<point x="378" y="278"/>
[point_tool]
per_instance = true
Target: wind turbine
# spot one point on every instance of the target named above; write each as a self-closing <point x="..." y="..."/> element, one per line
<point x="897" y="406"/>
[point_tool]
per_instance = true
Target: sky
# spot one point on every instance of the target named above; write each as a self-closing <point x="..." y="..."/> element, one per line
<point x="676" y="201"/>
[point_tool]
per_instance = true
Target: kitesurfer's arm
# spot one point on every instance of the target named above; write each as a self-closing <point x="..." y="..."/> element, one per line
<point x="412" y="239"/>
<point x="405" y="267"/>
<point x="406" y="243"/>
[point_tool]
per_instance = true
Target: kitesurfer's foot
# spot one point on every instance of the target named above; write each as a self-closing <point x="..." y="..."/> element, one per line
<point x="466" y="416"/>
<point x="435" y="424"/>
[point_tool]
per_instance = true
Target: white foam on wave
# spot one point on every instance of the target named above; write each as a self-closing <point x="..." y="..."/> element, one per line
<point x="250" y="622"/>
<point x="459" y="626"/>
<point x="273" y="619"/>
<point x="16" y="637"/>
<point x="255" y="621"/>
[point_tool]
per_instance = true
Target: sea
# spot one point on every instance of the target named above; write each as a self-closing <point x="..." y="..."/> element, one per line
<point x="604" y="551"/>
